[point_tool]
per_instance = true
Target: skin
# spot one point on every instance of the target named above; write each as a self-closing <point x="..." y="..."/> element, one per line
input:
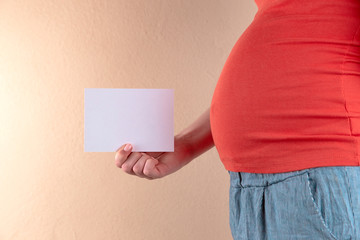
<point x="188" y="144"/>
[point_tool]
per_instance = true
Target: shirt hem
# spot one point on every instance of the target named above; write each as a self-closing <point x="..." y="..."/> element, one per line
<point x="288" y="167"/>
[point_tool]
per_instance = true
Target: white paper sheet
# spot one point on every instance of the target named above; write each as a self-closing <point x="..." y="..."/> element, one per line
<point x="142" y="117"/>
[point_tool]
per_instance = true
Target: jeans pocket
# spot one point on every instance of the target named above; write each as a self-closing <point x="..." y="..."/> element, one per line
<point x="330" y="200"/>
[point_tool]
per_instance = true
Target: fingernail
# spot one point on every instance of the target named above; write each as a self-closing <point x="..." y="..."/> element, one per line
<point x="127" y="147"/>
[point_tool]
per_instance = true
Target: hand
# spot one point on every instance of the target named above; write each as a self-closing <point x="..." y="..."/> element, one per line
<point x="152" y="165"/>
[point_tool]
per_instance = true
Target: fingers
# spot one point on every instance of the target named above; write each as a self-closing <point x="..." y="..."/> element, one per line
<point x="138" y="168"/>
<point x="122" y="154"/>
<point x="150" y="169"/>
<point x="128" y="165"/>
<point x="155" y="154"/>
<point x="137" y="163"/>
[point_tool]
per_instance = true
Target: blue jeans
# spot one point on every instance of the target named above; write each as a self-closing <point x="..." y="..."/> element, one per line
<point x="315" y="203"/>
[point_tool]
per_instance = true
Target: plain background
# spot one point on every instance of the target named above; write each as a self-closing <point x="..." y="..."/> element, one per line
<point x="49" y="52"/>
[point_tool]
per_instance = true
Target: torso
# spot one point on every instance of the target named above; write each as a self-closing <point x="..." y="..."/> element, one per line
<point x="288" y="96"/>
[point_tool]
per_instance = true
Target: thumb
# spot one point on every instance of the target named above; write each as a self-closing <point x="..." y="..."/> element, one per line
<point x="122" y="153"/>
<point x="123" y="147"/>
<point x="127" y="147"/>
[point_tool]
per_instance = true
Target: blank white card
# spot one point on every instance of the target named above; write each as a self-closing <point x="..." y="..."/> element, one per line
<point x="142" y="117"/>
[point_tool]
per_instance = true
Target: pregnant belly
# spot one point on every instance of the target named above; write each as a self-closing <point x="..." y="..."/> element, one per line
<point x="285" y="78"/>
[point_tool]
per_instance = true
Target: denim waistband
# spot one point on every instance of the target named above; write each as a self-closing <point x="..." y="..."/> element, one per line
<point x="245" y="179"/>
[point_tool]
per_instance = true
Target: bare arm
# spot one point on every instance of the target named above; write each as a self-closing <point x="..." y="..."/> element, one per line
<point x="188" y="144"/>
<point x="197" y="136"/>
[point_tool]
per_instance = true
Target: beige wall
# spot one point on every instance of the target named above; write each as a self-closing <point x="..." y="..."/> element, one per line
<point x="49" y="52"/>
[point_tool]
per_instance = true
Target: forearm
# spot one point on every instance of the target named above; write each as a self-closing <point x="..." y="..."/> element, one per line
<point x="197" y="136"/>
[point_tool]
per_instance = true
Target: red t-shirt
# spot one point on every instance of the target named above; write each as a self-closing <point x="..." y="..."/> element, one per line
<point x="288" y="97"/>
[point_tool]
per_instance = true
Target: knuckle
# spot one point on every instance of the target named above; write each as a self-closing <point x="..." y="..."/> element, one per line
<point x="147" y="172"/>
<point x="137" y="169"/>
<point x="119" y="157"/>
<point x="126" y="168"/>
<point x="118" y="164"/>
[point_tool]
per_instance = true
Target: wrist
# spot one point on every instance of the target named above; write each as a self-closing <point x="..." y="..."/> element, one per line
<point x="183" y="144"/>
